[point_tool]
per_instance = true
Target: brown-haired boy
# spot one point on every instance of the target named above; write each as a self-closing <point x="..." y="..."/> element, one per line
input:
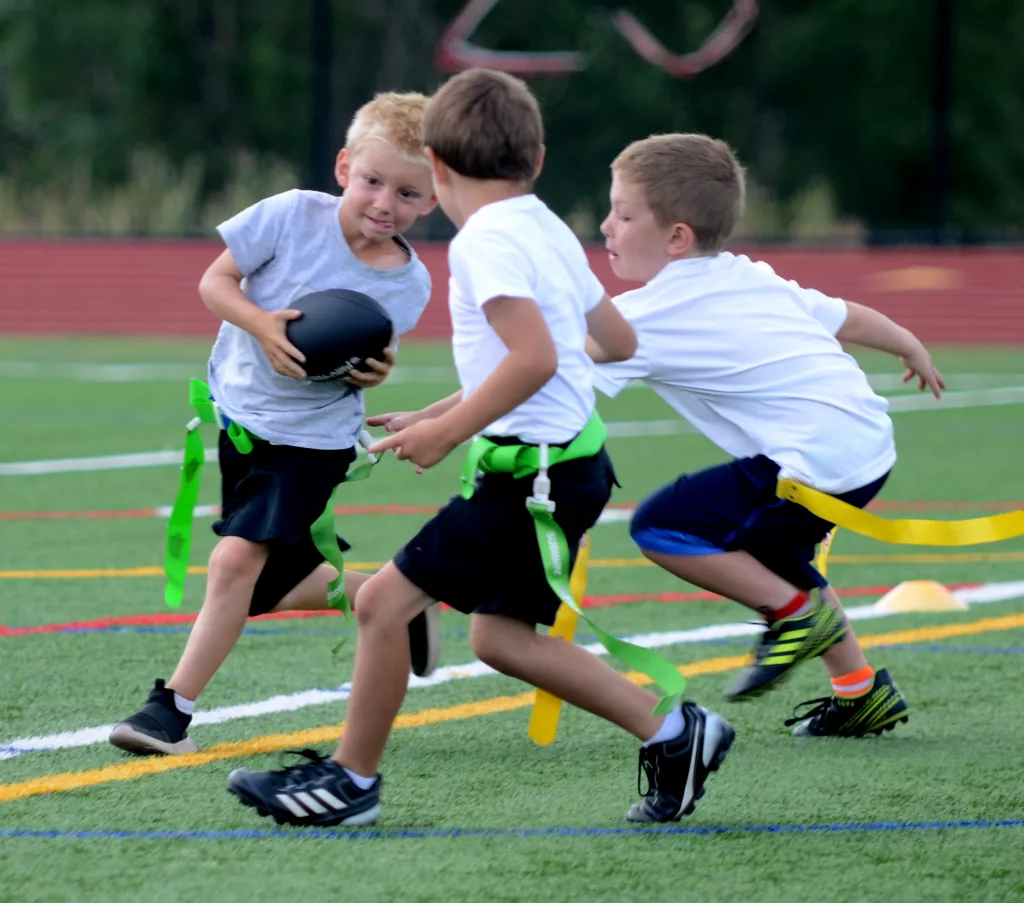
<point x="755" y="363"/>
<point x="522" y="301"/>
<point x="304" y="433"/>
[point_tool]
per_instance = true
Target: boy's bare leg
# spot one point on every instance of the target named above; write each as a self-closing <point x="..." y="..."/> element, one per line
<point x="736" y="575"/>
<point x="387" y="603"/>
<point x="847" y="655"/>
<point x="566" y="671"/>
<point x="741" y="577"/>
<point x="311" y="593"/>
<point x="235" y="566"/>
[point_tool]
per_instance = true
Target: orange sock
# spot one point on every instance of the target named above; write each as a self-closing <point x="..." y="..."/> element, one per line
<point x="854" y="684"/>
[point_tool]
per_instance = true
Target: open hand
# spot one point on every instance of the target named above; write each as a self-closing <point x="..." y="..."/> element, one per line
<point x="284" y="357"/>
<point x="920" y="364"/>
<point x="378" y="372"/>
<point x="425" y="443"/>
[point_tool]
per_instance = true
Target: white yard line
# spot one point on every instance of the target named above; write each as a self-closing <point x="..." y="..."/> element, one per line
<point x="886" y="381"/>
<point x="291" y="702"/>
<point x="619" y="429"/>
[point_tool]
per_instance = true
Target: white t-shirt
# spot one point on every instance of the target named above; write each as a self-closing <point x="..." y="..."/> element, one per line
<point x="287" y="246"/>
<point x="518" y="248"/>
<point x="751" y="360"/>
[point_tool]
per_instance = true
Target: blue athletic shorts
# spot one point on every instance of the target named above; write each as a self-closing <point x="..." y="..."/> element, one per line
<point x="734" y="507"/>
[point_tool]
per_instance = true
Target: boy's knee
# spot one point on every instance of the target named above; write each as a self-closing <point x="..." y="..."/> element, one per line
<point x="490" y="643"/>
<point x="236" y="560"/>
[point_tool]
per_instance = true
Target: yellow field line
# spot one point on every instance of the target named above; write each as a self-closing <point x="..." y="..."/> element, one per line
<point x="157" y="571"/>
<point x="128" y="771"/>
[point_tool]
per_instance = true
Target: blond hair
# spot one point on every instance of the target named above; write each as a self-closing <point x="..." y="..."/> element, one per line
<point x="486" y="125"/>
<point x="687" y="178"/>
<point x="394" y="118"/>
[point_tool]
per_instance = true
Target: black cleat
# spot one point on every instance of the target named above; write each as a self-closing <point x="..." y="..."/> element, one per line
<point x="880" y="709"/>
<point x="157" y="729"/>
<point x="677" y="769"/>
<point x="785" y="644"/>
<point x="316" y="792"/>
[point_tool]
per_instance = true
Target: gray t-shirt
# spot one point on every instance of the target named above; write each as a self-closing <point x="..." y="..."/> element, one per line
<point x="287" y="246"/>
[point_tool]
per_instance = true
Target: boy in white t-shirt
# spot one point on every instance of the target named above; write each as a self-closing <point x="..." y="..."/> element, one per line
<point x="522" y="300"/>
<point x="303" y="432"/>
<point x="757" y="365"/>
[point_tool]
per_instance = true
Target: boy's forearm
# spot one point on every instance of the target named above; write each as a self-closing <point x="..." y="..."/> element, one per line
<point x="595" y="352"/>
<point x="439" y="408"/>
<point x="224" y="297"/>
<point x="871" y="329"/>
<point x="514" y="380"/>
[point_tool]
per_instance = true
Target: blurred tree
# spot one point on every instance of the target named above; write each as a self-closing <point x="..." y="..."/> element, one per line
<point x="832" y="96"/>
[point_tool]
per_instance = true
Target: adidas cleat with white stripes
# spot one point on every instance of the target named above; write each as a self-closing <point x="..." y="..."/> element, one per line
<point x="317" y="792"/>
<point x="677" y="769"/>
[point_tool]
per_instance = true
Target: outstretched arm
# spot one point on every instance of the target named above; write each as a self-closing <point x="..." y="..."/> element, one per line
<point x="871" y="329"/>
<point x="610" y="337"/>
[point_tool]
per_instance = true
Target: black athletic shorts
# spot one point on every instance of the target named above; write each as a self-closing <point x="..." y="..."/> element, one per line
<point x="273" y="495"/>
<point x="480" y="555"/>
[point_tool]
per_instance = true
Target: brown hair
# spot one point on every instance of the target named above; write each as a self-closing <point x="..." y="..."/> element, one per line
<point x="485" y="125"/>
<point x="687" y="178"/>
<point x="396" y="119"/>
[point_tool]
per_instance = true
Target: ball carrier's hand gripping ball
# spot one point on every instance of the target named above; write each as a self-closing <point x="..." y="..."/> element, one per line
<point x="338" y="330"/>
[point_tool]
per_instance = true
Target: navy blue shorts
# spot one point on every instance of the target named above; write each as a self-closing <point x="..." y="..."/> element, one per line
<point x="734" y="507"/>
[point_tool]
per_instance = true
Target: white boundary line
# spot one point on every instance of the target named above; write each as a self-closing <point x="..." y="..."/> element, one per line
<point x="291" y="702"/>
<point x="86" y="372"/>
<point x="619" y="429"/>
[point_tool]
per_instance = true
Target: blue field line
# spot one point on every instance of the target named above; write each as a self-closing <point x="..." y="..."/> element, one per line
<point x="443" y="833"/>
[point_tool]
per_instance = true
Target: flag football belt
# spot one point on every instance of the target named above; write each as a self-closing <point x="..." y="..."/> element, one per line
<point x="179" y="525"/>
<point x="486" y="456"/>
<point x="903" y="532"/>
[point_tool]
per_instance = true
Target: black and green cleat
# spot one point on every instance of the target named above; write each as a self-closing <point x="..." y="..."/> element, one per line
<point x="785" y="644"/>
<point x="878" y="710"/>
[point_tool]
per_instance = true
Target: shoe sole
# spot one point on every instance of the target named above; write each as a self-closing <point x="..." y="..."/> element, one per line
<point x="328" y="820"/>
<point x="782" y="676"/>
<point x="431" y="643"/>
<point x="876" y="731"/>
<point x="125" y="737"/>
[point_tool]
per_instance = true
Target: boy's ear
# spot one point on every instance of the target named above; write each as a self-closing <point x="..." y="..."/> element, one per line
<point x="341" y="167"/>
<point x="438" y="168"/>
<point x="430" y="205"/>
<point x="681" y="241"/>
<point x="539" y="163"/>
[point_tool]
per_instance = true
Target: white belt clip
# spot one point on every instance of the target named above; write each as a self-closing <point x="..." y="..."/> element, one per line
<point x="365" y="441"/>
<point x="541" y="482"/>
<point x="218" y="418"/>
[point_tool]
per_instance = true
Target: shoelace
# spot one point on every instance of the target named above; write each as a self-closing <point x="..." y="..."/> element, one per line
<point x="821" y="706"/>
<point x="645" y="765"/>
<point x="311" y="755"/>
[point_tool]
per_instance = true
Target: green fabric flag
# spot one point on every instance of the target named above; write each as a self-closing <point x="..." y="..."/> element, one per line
<point x="179" y="525"/>
<point x="524" y="460"/>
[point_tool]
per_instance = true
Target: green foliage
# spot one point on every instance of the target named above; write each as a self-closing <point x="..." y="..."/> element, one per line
<point x="831" y="98"/>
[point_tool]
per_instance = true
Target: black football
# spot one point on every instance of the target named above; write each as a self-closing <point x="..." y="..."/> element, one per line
<point x="338" y="330"/>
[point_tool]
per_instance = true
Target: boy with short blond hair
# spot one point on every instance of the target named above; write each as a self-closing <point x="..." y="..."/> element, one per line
<point x="303" y="432"/>
<point x="755" y="363"/>
<point x="522" y="299"/>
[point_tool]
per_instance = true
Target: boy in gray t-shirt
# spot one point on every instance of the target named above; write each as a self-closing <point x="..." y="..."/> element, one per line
<point x="304" y="432"/>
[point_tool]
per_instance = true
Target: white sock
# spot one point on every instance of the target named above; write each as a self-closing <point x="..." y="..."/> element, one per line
<point x="360" y="782"/>
<point x="183" y="705"/>
<point x="670" y="728"/>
